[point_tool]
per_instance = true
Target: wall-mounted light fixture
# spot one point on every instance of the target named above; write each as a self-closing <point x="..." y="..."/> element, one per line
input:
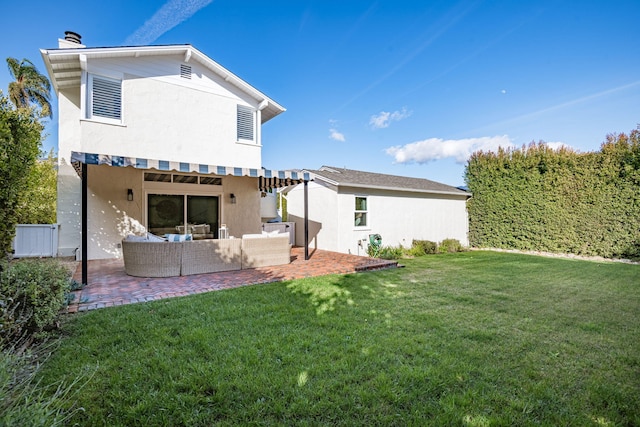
<point x="130" y="195"/>
<point x="232" y="197"/>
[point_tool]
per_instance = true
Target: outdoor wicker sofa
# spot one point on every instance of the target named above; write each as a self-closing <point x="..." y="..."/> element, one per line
<point x="167" y="259"/>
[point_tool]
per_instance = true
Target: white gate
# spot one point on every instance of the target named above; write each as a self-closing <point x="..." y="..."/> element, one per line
<point x="35" y="240"/>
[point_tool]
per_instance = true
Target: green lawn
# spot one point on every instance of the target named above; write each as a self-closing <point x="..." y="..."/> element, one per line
<point x="469" y="339"/>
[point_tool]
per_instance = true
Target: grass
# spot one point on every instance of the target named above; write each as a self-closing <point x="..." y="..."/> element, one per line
<point x="23" y="400"/>
<point x="469" y="339"/>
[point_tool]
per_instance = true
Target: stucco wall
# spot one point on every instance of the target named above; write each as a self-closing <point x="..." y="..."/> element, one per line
<point x="243" y="217"/>
<point x="399" y="217"/>
<point x="111" y="215"/>
<point x="68" y="210"/>
<point x="169" y="122"/>
<point x="69" y="197"/>
<point x="164" y="116"/>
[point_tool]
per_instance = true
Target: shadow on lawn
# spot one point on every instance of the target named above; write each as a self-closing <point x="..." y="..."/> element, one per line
<point x="322" y="295"/>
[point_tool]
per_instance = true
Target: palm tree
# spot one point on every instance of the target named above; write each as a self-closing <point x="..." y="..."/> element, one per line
<point x="29" y="86"/>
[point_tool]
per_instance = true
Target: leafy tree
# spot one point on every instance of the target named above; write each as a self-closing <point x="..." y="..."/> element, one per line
<point x="29" y="86"/>
<point x="20" y="141"/>
<point x="38" y="203"/>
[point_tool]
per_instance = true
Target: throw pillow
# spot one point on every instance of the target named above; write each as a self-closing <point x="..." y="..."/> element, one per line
<point x="178" y="237"/>
<point x="153" y="238"/>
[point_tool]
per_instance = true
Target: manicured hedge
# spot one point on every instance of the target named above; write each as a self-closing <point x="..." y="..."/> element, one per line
<point x="537" y="198"/>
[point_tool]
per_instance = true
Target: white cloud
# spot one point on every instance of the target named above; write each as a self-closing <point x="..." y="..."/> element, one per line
<point x="171" y="14"/>
<point x="436" y="149"/>
<point x="384" y="119"/>
<point x="557" y="145"/>
<point x="335" y="135"/>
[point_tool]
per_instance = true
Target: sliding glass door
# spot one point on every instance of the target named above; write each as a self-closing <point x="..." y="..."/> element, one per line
<point x="203" y="210"/>
<point x="177" y="213"/>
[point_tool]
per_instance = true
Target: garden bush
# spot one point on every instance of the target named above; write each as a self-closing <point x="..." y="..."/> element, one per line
<point x="422" y="247"/>
<point x="390" y="252"/>
<point x="32" y="294"/>
<point x="450" y="246"/>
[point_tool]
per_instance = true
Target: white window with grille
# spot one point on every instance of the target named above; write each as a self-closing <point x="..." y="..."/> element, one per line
<point x="361" y="212"/>
<point x="104" y="98"/>
<point x="246" y="123"/>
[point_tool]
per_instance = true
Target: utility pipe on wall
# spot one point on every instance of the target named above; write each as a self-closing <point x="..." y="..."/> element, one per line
<point x="306" y="220"/>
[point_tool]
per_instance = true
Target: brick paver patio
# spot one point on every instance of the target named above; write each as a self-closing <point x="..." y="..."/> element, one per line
<point x="109" y="285"/>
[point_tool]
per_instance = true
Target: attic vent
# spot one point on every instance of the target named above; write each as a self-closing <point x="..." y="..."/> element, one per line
<point x="185" y="71"/>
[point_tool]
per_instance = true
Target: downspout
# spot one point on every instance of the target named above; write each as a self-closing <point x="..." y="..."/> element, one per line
<point x="306" y="220"/>
<point x="84" y="224"/>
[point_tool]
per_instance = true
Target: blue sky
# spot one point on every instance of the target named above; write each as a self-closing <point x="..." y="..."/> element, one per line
<point x="402" y="87"/>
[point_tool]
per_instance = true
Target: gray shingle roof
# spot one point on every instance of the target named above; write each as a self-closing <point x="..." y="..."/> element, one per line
<point x="352" y="178"/>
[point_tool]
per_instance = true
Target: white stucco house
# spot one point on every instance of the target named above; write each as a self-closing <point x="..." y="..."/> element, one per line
<point x="151" y="138"/>
<point x="346" y="206"/>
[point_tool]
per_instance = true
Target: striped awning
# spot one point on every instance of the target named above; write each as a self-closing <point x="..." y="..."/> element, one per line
<point x="268" y="178"/>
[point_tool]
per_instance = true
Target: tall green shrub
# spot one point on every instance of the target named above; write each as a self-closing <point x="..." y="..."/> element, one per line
<point x="20" y="140"/>
<point x="38" y="203"/>
<point x="536" y="198"/>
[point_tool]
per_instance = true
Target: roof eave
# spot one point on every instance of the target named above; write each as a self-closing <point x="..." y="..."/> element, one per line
<point x="47" y="64"/>
<point x="389" y="188"/>
<point x="405" y="189"/>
